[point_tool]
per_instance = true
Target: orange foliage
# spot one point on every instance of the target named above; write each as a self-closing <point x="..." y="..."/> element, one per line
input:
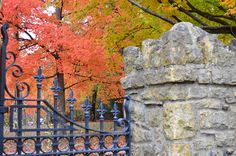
<point x="71" y="47"/>
<point x="231" y="5"/>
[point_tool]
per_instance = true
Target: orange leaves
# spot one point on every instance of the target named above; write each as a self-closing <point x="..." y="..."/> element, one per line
<point x="68" y="46"/>
<point x="231" y="5"/>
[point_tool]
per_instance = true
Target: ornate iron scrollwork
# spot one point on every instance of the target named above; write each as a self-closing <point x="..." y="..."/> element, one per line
<point x="22" y="87"/>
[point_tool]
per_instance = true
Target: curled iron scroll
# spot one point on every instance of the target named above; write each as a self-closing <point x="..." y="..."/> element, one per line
<point x="125" y="122"/>
<point x="16" y="70"/>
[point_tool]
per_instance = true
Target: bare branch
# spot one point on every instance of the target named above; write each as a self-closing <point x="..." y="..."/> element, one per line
<point x="176" y="18"/>
<point x="27" y="46"/>
<point x="224" y="29"/>
<point x="151" y="12"/>
<point x="181" y="9"/>
<point x="52" y="76"/>
<point x="207" y="15"/>
<point x="68" y="87"/>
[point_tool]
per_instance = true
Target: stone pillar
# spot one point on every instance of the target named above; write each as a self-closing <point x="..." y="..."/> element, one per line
<point x="183" y="90"/>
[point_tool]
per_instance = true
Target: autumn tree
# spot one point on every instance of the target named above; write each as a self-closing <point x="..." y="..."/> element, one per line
<point x="210" y="15"/>
<point x="230" y="5"/>
<point x="97" y="15"/>
<point x="50" y="39"/>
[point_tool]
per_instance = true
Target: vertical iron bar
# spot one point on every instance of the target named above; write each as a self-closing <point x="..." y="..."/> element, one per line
<point x="72" y="100"/>
<point x="86" y="108"/>
<point x="115" y="112"/>
<point x="39" y="78"/>
<point x="101" y="112"/>
<point x="128" y="118"/>
<point x="19" y="122"/>
<point x="55" y="89"/>
<point x="3" y="82"/>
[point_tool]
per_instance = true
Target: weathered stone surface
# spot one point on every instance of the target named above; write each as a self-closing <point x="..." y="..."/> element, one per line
<point x="148" y="48"/>
<point x="225" y="138"/>
<point x="179" y="150"/>
<point x="179" y="121"/>
<point x="130" y="55"/>
<point x="209" y="103"/>
<point x="133" y="80"/>
<point x="151" y="150"/>
<point x="158" y="136"/>
<point x="204" y="142"/>
<point x="137" y="110"/>
<point x="231" y="100"/>
<point x="213" y="119"/>
<point x="231" y="119"/>
<point x="204" y="76"/>
<point x="153" y="115"/>
<point x="184" y="94"/>
<point x="140" y="134"/>
<point x="137" y="150"/>
<point x="171" y="92"/>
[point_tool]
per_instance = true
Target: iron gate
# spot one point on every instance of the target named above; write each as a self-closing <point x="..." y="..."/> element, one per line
<point x="63" y="136"/>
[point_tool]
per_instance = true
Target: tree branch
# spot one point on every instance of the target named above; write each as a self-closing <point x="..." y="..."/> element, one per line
<point x="207" y="15"/>
<point x="52" y="76"/>
<point x="67" y="87"/>
<point x="27" y="46"/>
<point x="181" y="9"/>
<point x="223" y="29"/>
<point x="176" y="18"/>
<point x="151" y="12"/>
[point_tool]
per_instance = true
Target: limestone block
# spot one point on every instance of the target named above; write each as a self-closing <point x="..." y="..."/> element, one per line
<point x="204" y="76"/>
<point x="179" y="150"/>
<point x="233" y="108"/>
<point x="151" y="150"/>
<point x="225" y="138"/>
<point x="231" y="100"/>
<point x="213" y="119"/>
<point x="137" y="150"/>
<point x="219" y="92"/>
<point x="219" y="75"/>
<point x="232" y="45"/>
<point x="204" y="142"/>
<point x="130" y="55"/>
<point x="158" y="136"/>
<point x="137" y="111"/>
<point x="197" y="91"/>
<point x="140" y="134"/>
<point x="148" y="48"/>
<point x="232" y="119"/>
<point x="209" y="103"/>
<point x="165" y="93"/>
<point x="133" y="80"/>
<point x="179" y="121"/>
<point x="203" y="153"/>
<point x="185" y="87"/>
<point x="153" y="115"/>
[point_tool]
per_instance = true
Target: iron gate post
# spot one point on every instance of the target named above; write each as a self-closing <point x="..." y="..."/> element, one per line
<point x="3" y="109"/>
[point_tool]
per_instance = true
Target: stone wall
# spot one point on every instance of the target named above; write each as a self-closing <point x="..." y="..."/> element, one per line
<point x="183" y="90"/>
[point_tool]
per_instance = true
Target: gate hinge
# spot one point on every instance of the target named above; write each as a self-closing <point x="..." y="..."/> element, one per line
<point x="3" y="109"/>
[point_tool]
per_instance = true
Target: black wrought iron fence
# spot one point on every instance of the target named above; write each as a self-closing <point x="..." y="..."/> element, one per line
<point x="63" y="136"/>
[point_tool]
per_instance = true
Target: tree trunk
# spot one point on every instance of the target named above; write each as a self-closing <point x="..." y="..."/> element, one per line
<point x="60" y="76"/>
<point x="61" y="94"/>
<point x="94" y="100"/>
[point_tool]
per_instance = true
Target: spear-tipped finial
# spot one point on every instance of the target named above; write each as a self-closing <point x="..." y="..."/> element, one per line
<point x="56" y="87"/>
<point x="115" y="110"/>
<point x="86" y="106"/>
<point x="71" y="99"/>
<point x="101" y="110"/>
<point x="39" y="78"/>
